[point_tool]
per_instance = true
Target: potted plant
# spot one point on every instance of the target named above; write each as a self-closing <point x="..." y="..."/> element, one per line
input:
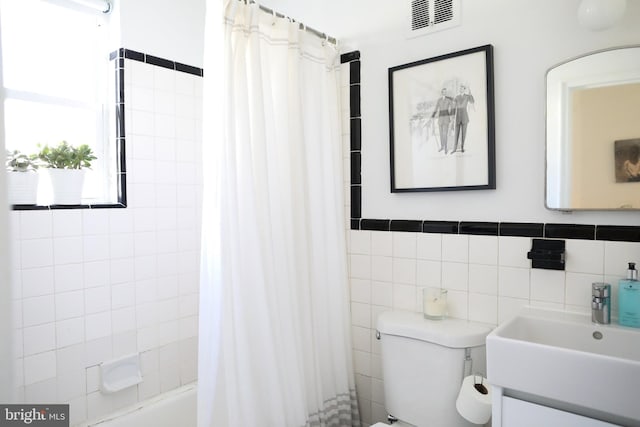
<point x="66" y="166"/>
<point x="22" y="178"/>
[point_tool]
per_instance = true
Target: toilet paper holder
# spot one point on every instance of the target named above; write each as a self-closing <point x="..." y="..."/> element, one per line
<point x="479" y="386"/>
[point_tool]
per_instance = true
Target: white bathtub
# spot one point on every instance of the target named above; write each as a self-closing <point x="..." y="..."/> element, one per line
<point x="171" y="409"/>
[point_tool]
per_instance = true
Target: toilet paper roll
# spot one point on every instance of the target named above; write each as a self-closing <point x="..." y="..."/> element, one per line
<point x="472" y="404"/>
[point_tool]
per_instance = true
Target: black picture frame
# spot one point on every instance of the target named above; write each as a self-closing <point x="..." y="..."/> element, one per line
<point x="449" y="95"/>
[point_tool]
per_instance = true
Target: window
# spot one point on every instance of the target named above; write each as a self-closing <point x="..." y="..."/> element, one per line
<point x="56" y="79"/>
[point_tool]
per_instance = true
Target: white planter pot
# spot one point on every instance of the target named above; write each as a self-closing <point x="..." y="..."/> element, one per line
<point x="22" y="188"/>
<point x="67" y="185"/>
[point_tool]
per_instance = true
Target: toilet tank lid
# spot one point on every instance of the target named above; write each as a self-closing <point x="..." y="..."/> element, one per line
<point x="453" y="333"/>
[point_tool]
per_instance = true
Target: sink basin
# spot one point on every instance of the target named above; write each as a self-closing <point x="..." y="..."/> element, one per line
<point x="564" y="360"/>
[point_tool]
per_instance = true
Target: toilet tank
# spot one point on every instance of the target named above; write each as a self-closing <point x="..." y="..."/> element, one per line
<point x="423" y="365"/>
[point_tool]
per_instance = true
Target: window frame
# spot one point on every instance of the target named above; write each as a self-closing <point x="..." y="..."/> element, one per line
<point x="111" y="142"/>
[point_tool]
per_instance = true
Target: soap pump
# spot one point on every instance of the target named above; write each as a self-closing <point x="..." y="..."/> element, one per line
<point x="629" y="298"/>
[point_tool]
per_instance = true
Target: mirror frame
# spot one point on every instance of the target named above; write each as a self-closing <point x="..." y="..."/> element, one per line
<point x="560" y="79"/>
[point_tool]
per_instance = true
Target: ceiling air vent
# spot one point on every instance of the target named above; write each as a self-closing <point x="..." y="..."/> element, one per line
<point x="428" y="16"/>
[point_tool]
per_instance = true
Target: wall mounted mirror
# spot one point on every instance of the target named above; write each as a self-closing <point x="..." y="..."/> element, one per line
<point x="593" y="132"/>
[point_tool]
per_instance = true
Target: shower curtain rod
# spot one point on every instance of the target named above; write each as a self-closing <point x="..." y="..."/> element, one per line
<point x="104" y="6"/>
<point x="320" y="34"/>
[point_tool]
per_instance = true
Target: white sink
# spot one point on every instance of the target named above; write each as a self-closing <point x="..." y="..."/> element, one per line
<point x="563" y="360"/>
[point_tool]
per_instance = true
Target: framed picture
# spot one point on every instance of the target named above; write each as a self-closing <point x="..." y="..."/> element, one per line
<point x="441" y="117"/>
<point x="627" y="160"/>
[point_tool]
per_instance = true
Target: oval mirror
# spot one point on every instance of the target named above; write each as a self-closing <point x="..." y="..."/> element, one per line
<point x="593" y="132"/>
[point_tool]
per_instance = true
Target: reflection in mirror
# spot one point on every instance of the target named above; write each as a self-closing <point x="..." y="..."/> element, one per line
<point x="593" y="132"/>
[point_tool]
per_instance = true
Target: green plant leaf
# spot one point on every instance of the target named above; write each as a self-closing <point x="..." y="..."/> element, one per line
<point x="65" y="156"/>
<point x="19" y="162"/>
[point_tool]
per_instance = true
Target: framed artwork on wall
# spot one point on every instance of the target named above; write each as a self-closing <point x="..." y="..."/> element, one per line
<point x="627" y="160"/>
<point x="441" y="122"/>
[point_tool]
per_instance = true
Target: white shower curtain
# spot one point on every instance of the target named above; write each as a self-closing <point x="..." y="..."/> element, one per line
<point x="274" y="333"/>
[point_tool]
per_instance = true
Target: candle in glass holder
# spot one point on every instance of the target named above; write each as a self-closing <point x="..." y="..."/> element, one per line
<point x="434" y="302"/>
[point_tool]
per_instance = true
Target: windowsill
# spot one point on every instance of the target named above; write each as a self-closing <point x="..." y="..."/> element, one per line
<point x="55" y="207"/>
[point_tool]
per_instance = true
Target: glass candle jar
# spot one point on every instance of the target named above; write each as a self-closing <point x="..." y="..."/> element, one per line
<point x="434" y="303"/>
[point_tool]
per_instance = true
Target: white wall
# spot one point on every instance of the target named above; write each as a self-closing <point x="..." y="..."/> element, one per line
<point x="170" y="29"/>
<point x="528" y="38"/>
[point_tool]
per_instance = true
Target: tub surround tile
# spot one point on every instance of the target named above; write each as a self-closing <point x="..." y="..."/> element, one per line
<point x="82" y="271"/>
<point x="39" y="367"/>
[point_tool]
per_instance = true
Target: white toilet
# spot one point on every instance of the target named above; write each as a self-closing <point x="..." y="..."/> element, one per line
<point x="423" y="365"/>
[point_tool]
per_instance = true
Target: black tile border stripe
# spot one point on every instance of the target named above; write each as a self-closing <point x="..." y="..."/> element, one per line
<point x="441" y="227"/>
<point x="479" y="228"/>
<point x="350" y="56"/>
<point x="618" y="233"/>
<point x="570" y="231"/>
<point x="162" y="62"/>
<point x="405" y="225"/>
<point x="356" y="136"/>
<point x="355" y="169"/>
<point x="521" y="229"/>
<point x="615" y="233"/>
<point x="375" y="224"/>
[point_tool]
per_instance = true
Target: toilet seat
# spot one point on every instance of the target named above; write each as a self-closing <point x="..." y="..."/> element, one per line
<point x="396" y="424"/>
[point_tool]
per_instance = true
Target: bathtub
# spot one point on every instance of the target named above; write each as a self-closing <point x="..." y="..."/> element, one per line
<point x="171" y="409"/>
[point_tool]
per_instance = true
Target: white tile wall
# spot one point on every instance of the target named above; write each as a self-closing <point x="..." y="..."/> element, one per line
<point x="92" y="285"/>
<point x="489" y="279"/>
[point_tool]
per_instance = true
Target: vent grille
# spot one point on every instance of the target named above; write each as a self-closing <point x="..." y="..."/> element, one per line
<point x="420" y="14"/>
<point x="443" y="11"/>
<point x="427" y="16"/>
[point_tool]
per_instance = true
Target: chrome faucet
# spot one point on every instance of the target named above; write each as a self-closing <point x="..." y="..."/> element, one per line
<point x="601" y="303"/>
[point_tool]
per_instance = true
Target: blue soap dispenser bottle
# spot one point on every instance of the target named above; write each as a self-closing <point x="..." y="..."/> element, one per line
<point x="629" y="298"/>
